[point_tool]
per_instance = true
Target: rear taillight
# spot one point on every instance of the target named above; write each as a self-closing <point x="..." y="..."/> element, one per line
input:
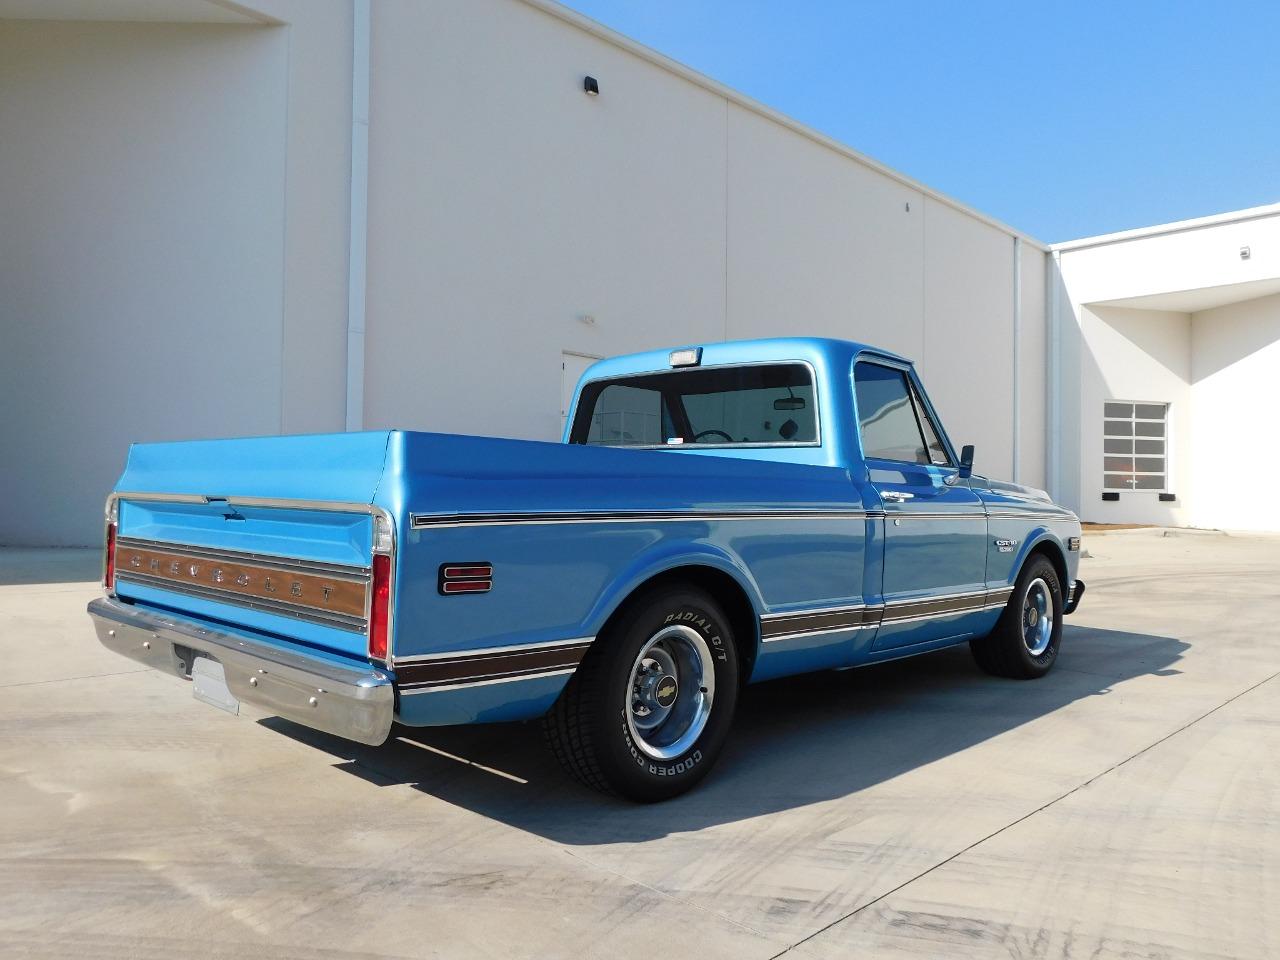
<point x="380" y="607"/>
<point x="109" y="561"/>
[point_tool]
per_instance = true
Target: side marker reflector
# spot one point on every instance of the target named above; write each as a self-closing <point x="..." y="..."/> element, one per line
<point x="469" y="577"/>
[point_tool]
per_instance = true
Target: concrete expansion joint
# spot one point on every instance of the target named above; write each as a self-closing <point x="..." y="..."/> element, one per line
<point x="91" y="676"/>
<point x="1027" y="816"/>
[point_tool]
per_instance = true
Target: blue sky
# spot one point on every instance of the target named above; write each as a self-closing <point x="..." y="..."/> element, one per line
<point x="1065" y="120"/>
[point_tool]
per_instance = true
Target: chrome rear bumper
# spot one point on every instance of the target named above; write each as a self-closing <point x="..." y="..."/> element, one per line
<point x="355" y="702"/>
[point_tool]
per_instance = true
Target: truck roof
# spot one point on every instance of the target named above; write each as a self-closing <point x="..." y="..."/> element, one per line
<point x="821" y="351"/>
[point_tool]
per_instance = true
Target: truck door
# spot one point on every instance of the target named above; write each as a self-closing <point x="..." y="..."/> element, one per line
<point x="935" y="526"/>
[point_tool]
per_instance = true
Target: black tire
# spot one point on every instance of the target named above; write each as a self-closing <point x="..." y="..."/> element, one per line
<point x="1006" y="650"/>
<point x="588" y="730"/>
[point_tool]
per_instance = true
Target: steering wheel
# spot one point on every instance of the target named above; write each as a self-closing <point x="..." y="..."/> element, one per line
<point x="707" y="433"/>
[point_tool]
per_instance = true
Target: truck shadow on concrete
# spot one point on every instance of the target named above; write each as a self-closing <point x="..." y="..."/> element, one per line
<point x="795" y="742"/>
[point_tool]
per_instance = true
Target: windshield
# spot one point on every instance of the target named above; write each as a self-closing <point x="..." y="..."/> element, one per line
<point x="770" y="404"/>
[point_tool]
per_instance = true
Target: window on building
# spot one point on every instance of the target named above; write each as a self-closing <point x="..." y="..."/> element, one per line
<point x="1135" y="446"/>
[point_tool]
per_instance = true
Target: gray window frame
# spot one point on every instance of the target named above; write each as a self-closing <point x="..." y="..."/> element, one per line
<point x="1133" y="420"/>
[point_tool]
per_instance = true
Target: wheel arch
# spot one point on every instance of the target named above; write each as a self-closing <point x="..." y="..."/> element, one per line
<point x="717" y="577"/>
<point x="1049" y="548"/>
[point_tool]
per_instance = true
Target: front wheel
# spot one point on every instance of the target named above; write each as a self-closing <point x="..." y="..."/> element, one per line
<point x="646" y="713"/>
<point x="1025" y="641"/>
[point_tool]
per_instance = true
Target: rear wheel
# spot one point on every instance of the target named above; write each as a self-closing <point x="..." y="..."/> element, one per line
<point x="1024" y="643"/>
<point x="646" y="713"/>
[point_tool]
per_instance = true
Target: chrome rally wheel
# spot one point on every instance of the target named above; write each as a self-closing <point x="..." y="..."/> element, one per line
<point x="672" y="688"/>
<point x="1037" y="618"/>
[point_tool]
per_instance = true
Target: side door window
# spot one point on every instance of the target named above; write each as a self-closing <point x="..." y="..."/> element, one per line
<point x="894" y="421"/>
<point x="887" y="419"/>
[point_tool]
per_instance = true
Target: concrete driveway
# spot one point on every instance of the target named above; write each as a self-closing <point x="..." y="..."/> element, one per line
<point x="1128" y="805"/>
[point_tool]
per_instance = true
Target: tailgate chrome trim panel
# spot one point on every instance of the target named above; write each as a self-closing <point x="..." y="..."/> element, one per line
<point x="335" y="620"/>
<point x="287" y="564"/>
<point x="356" y="702"/>
<point x="324" y="593"/>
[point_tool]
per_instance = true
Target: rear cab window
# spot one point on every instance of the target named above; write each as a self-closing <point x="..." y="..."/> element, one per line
<point x="893" y="421"/>
<point x="750" y="405"/>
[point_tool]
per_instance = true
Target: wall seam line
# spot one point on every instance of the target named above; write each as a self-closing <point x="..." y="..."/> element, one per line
<point x="1017" y="360"/>
<point x="727" y="108"/>
<point x="284" y="227"/>
<point x="358" y="214"/>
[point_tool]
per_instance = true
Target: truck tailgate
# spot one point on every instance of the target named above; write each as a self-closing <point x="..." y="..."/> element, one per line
<point x="271" y="533"/>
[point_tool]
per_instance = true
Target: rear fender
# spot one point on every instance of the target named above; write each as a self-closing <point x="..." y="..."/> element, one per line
<point x="664" y="559"/>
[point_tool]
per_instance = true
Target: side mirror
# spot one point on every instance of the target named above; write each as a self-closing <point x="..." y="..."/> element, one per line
<point x="966" y="461"/>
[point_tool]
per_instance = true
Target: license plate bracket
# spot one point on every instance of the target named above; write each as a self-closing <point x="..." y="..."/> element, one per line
<point x="209" y="685"/>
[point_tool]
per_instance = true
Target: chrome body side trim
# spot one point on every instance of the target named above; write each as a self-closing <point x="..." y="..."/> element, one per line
<point x="512" y="648"/>
<point x="808" y="623"/>
<point x="776" y="627"/>
<point x="471" y="667"/>
<point x="1033" y="516"/>
<point x="484" y="683"/>
<point x="356" y="702"/>
<point x="797" y="634"/>
<point x="816" y="611"/>
<point x="918" y="515"/>
<point x="419" y="521"/>
<point x="287" y="503"/>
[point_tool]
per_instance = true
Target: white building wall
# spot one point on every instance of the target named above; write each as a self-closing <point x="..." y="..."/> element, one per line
<point x="967" y="359"/>
<point x="1141" y="356"/>
<point x="316" y="195"/>
<point x="506" y="205"/>
<point x="175" y="255"/>
<point x="818" y="244"/>
<point x="1033" y="370"/>
<point x="1235" y="371"/>
<point x="142" y="172"/>
<point x="1196" y="255"/>
<point x="1185" y="314"/>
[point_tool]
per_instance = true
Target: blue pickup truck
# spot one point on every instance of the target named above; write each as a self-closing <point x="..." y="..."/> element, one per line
<point x="717" y="515"/>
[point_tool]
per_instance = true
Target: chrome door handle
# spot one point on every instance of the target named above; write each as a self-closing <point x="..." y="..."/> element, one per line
<point x="896" y="496"/>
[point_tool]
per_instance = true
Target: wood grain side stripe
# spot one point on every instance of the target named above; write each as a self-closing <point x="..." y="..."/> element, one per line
<point x="817" y="622"/>
<point x="466" y="668"/>
<point x="774" y="627"/>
